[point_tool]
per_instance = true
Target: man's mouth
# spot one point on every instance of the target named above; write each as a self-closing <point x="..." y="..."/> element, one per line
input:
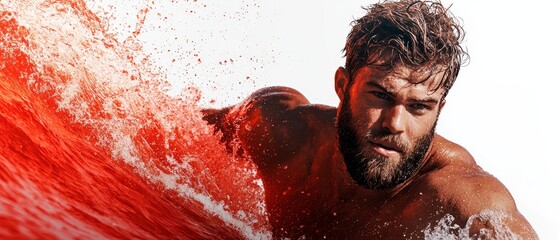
<point x="386" y="149"/>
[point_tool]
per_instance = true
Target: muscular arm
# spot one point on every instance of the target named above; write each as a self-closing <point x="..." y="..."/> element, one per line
<point x="290" y="141"/>
<point x="266" y="125"/>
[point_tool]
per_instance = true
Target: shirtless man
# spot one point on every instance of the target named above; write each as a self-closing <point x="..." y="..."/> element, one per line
<point x="373" y="168"/>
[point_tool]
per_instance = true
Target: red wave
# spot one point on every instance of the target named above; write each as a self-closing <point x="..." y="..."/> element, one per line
<point x="60" y="177"/>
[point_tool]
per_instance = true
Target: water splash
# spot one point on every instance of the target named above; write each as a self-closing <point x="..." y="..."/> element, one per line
<point x="220" y="42"/>
<point x="447" y="230"/>
<point x="110" y="90"/>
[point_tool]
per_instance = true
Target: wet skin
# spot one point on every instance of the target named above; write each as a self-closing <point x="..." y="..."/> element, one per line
<point x="308" y="188"/>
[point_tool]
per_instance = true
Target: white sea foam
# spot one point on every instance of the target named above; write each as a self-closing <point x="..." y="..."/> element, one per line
<point x="446" y="229"/>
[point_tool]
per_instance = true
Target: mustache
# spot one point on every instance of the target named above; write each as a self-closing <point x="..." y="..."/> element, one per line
<point x="386" y="137"/>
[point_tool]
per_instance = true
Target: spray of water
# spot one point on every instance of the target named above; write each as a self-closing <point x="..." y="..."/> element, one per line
<point x="111" y="88"/>
<point x="496" y="219"/>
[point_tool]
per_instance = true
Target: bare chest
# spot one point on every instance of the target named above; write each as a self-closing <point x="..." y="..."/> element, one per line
<point x="406" y="217"/>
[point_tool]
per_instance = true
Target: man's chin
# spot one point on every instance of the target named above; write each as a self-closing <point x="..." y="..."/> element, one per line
<point x="382" y="173"/>
<point x="380" y="183"/>
<point x="377" y="184"/>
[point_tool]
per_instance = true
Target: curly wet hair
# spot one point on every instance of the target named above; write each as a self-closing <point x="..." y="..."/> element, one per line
<point x="413" y="33"/>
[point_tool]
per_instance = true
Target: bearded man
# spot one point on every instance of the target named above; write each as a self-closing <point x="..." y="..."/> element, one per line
<point x="373" y="168"/>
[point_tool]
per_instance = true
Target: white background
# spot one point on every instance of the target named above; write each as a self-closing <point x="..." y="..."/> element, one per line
<point x="503" y="107"/>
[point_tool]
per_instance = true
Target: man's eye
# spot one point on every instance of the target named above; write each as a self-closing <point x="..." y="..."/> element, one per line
<point x="381" y="95"/>
<point x="419" y="106"/>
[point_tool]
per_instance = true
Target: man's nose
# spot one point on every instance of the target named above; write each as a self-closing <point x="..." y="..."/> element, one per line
<point x="393" y="119"/>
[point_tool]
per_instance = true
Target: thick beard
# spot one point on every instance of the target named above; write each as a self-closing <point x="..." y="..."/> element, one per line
<point x="374" y="172"/>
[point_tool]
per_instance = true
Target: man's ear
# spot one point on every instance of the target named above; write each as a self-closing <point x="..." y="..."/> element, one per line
<point x="342" y="81"/>
<point x="441" y="105"/>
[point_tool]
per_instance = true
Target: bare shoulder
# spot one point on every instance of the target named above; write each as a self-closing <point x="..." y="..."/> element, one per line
<point x="457" y="177"/>
<point x="471" y="193"/>
<point x="271" y="124"/>
<point x="268" y="101"/>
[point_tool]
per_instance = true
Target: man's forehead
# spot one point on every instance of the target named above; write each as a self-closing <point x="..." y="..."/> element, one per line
<point x="430" y="76"/>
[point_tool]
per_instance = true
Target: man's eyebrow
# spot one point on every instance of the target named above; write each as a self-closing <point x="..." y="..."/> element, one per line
<point x="414" y="100"/>
<point x="424" y="100"/>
